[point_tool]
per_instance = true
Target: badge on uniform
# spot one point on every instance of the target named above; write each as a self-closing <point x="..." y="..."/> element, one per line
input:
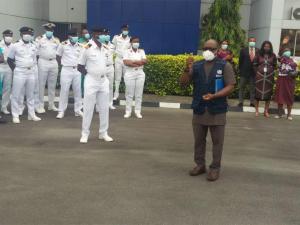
<point x="219" y="73"/>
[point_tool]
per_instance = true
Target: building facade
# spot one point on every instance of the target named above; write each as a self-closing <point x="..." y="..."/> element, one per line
<point x="166" y="26"/>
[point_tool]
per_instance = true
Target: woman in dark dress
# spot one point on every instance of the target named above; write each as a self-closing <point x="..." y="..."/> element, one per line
<point x="224" y="52"/>
<point x="265" y="64"/>
<point x="286" y="83"/>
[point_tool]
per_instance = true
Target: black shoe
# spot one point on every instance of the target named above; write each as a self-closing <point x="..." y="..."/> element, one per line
<point x="240" y="105"/>
<point x="198" y="170"/>
<point x="213" y="175"/>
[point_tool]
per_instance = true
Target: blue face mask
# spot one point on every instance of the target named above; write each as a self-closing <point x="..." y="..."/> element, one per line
<point x="102" y="38"/>
<point x="87" y="36"/>
<point x="125" y="32"/>
<point x="49" y="34"/>
<point x="107" y="38"/>
<point x="287" y="54"/>
<point x="252" y="44"/>
<point x="74" y="39"/>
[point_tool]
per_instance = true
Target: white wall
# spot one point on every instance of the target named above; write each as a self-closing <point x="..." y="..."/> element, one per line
<point x="68" y="11"/>
<point x="289" y="4"/>
<point x="269" y="17"/>
<point x="17" y="13"/>
<point x="260" y="20"/>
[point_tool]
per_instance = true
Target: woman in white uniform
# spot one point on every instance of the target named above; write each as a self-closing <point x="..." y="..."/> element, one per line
<point x="134" y="60"/>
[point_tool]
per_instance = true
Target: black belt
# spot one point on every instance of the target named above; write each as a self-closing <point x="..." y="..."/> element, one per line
<point x="74" y="67"/>
<point x="47" y="59"/>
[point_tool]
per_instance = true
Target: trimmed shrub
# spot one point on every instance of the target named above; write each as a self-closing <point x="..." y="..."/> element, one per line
<point x="163" y="72"/>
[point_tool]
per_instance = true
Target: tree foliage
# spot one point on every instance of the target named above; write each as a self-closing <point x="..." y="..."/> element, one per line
<point x="223" y="23"/>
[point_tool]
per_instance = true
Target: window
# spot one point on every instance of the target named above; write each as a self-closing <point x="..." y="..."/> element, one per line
<point x="293" y="38"/>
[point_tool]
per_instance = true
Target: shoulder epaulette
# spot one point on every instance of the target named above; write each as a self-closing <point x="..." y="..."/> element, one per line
<point x="57" y="41"/>
<point x="88" y="46"/>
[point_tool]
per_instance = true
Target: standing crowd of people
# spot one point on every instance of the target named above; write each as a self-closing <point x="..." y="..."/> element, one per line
<point x="258" y="69"/>
<point x="94" y="66"/>
<point x="86" y="62"/>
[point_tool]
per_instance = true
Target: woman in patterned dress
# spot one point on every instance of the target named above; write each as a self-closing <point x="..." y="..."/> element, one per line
<point x="286" y="83"/>
<point x="265" y="64"/>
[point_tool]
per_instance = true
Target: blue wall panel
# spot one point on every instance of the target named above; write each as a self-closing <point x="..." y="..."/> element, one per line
<point x="164" y="26"/>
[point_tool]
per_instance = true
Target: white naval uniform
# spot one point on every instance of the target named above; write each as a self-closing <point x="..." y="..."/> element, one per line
<point x="96" y="88"/>
<point x="24" y="56"/>
<point x="48" y="68"/>
<point x="110" y="50"/>
<point x="36" y="86"/>
<point x="70" y="55"/>
<point x="122" y="45"/>
<point x="134" y="80"/>
<point x="7" y="75"/>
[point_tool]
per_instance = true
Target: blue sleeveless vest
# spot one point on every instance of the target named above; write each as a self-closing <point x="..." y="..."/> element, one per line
<point x="204" y="84"/>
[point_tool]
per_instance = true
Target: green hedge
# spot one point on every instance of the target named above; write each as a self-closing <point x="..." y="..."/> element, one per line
<point x="163" y="72"/>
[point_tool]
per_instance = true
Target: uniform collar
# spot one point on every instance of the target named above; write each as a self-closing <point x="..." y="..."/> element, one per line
<point x="70" y="44"/>
<point x="22" y="42"/>
<point x="127" y="37"/>
<point x="137" y="51"/>
<point x="94" y="45"/>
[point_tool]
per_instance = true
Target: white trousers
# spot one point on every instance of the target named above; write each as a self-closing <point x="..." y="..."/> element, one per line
<point x="36" y="92"/>
<point x="111" y="76"/>
<point x="7" y="84"/>
<point x="48" y="72"/>
<point x="95" y="92"/>
<point x="134" y="82"/>
<point x="23" y="80"/>
<point x="119" y="72"/>
<point x="36" y="87"/>
<point x="70" y="76"/>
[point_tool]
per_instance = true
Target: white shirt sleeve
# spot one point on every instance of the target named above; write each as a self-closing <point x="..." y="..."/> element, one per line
<point x="38" y="45"/>
<point x="60" y="50"/>
<point x="12" y="52"/>
<point x="114" y="41"/>
<point x="143" y="54"/>
<point x="83" y="58"/>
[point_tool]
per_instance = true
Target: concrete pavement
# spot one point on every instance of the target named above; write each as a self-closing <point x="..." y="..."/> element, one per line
<point x="48" y="178"/>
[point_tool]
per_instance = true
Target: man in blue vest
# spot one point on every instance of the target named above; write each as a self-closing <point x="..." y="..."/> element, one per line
<point x="213" y="81"/>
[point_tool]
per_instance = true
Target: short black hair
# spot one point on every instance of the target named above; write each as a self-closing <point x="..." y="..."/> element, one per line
<point x="133" y="38"/>
<point x="125" y="26"/>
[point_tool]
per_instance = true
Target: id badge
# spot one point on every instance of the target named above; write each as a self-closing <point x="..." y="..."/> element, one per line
<point x="265" y="69"/>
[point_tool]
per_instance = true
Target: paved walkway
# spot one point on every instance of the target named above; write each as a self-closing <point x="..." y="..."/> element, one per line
<point x="48" y="178"/>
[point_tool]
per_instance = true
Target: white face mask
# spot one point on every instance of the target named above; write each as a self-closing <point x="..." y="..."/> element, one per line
<point x="135" y="45"/>
<point x="27" y="37"/>
<point x="224" y="47"/>
<point x="8" y="39"/>
<point x="208" y="55"/>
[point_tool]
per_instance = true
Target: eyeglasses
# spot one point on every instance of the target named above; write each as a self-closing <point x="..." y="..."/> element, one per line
<point x="209" y="49"/>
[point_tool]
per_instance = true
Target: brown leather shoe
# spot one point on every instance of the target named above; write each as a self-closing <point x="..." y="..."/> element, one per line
<point x="198" y="170"/>
<point x="213" y="174"/>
